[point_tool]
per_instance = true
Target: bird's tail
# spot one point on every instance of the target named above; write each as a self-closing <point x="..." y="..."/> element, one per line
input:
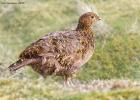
<point x="20" y="63"/>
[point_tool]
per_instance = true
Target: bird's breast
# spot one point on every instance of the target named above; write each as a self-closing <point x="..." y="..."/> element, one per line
<point x="86" y="56"/>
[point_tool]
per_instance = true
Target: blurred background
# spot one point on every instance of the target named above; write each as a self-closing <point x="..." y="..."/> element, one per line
<point x="117" y="54"/>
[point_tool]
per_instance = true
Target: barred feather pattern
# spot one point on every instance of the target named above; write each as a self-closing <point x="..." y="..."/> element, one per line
<point x="61" y="53"/>
<point x="68" y="48"/>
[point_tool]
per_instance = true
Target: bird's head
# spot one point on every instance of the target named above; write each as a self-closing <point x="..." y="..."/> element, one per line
<point x="86" y="20"/>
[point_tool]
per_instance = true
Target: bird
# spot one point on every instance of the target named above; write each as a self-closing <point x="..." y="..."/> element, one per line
<point x="61" y="53"/>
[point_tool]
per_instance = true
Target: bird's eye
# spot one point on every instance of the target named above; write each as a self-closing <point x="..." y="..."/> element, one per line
<point x="92" y="16"/>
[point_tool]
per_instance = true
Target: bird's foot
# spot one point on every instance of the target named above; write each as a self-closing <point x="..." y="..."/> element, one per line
<point x="72" y="84"/>
<point x="69" y="83"/>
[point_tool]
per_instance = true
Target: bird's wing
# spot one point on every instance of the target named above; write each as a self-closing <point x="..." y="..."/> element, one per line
<point x="58" y="43"/>
<point x="68" y="42"/>
<point x="31" y="51"/>
<point x="37" y="48"/>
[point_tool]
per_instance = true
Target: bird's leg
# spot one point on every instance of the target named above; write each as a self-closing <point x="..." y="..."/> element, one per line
<point x="68" y="81"/>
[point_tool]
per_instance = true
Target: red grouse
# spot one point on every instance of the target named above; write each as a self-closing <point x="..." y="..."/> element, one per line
<point x="61" y="53"/>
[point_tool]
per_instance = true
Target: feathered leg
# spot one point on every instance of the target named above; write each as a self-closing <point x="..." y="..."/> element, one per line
<point x="68" y="81"/>
<point x="69" y="72"/>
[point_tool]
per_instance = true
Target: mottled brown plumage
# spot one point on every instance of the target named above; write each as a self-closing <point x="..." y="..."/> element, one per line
<point x="61" y="53"/>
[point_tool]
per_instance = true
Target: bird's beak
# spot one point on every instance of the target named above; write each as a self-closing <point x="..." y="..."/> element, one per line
<point x="99" y="18"/>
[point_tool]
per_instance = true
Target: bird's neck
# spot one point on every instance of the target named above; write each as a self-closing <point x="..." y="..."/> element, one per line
<point x="87" y="33"/>
<point x="84" y="28"/>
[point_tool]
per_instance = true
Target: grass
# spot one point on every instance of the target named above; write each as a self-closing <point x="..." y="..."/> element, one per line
<point x="27" y="89"/>
<point x="117" y="54"/>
